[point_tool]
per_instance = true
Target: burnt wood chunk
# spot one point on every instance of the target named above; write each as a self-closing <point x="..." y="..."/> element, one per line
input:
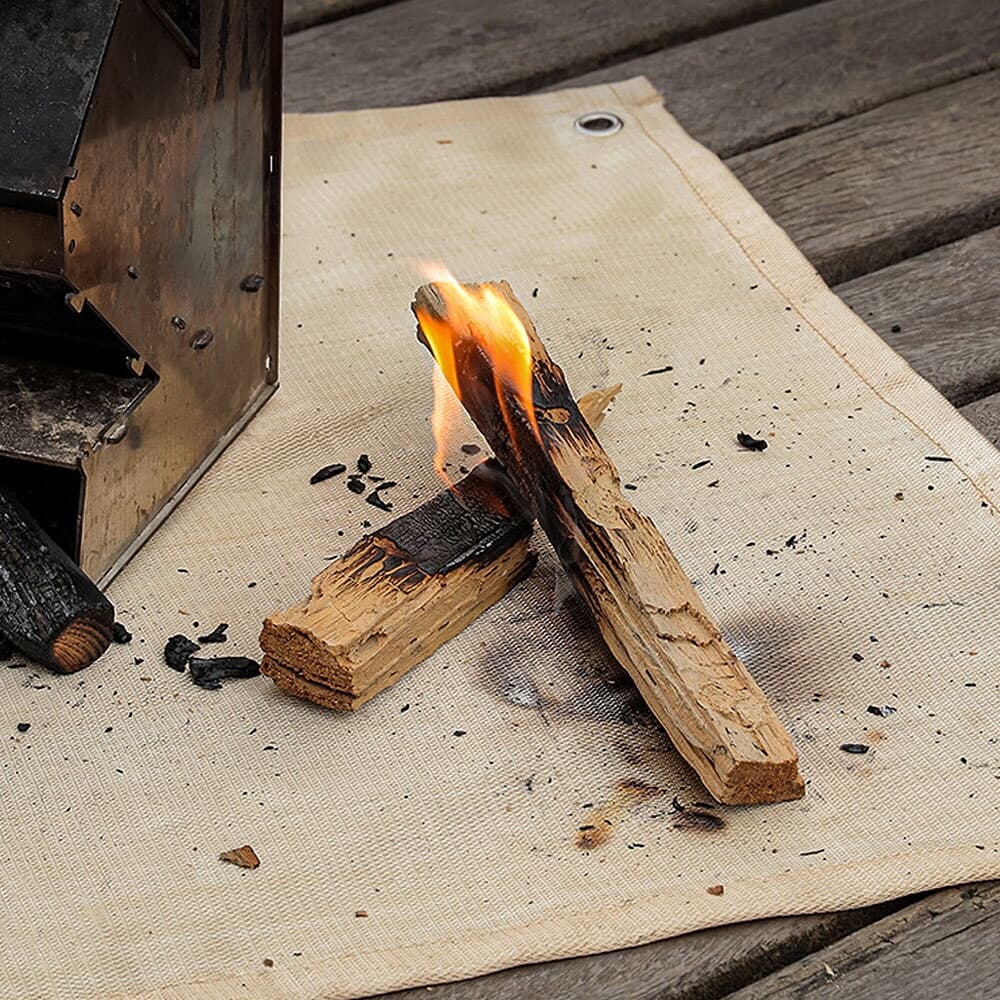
<point x="49" y="609"/>
<point x="401" y="592"/>
<point x="646" y="608"/>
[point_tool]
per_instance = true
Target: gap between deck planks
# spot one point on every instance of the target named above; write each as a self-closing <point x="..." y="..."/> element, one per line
<point x="955" y="932"/>
<point x="912" y="173"/>
<point x="302" y="14"/>
<point x="432" y="50"/>
<point x="765" y="81"/>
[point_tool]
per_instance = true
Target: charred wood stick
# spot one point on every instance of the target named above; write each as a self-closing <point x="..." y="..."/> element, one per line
<point x="49" y="609"/>
<point x="401" y="592"/>
<point x="645" y="606"/>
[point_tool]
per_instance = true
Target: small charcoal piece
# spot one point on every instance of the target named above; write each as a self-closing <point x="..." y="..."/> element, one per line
<point x="120" y="634"/>
<point x="210" y="672"/>
<point x="881" y="710"/>
<point x="327" y="472"/>
<point x="364" y="463"/>
<point x="376" y="501"/>
<point x="218" y="634"/>
<point x="6" y="648"/>
<point x="178" y="650"/>
<point x="750" y="443"/>
<point x="23" y="727"/>
<point x="471" y="449"/>
<point x="854" y="747"/>
<point x="386" y="485"/>
<point x="49" y="609"/>
<point x="659" y="371"/>
<point x="355" y="485"/>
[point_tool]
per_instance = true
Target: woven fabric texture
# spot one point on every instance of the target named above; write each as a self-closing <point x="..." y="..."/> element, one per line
<point x="847" y="569"/>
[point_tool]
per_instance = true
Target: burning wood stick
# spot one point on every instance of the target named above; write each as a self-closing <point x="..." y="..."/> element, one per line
<point x="402" y="591"/>
<point x="648" y="611"/>
<point x="49" y="609"/>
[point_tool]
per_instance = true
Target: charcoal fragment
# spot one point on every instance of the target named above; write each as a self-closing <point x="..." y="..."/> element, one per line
<point x="471" y="449"/>
<point x="376" y="501"/>
<point x="23" y="727"/>
<point x="355" y="485"/>
<point x="218" y="634"/>
<point x="364" y="463"/>
<point x="327" y="472"/>
<point x="750" y="443"/>
<point x="854" y="747"/>
<point x="119" y="634"/>
<point x="659" y="371"/>
<point x="178" y="650"/>
<point x="881" y="710"/>
<point x="208" y="672"/>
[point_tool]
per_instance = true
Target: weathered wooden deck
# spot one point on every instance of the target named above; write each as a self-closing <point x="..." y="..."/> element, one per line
<point x="870" y="130"/>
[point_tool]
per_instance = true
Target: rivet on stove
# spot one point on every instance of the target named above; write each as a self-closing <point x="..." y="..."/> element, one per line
<point x="201" y="340"/>
<point x="178" y="322"/>
<point x="599" y="123"/>
<point x="132" y="271"/>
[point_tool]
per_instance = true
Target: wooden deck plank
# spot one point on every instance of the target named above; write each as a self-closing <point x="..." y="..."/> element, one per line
<point x="742" y="88"/>
<point x="868" y="191"/>
<point x="984" y="415"/>
<point x="942" y="946"/>
<point x="431" y="50"/>
<point x="941" y="311"/>
<point x="703" y="964"/>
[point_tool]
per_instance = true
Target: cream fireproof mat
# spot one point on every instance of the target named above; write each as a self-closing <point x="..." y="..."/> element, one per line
<point x="846" y="567"/>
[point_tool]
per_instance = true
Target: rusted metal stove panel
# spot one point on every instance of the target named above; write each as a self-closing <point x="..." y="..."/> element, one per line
<point x="166" y="269"/>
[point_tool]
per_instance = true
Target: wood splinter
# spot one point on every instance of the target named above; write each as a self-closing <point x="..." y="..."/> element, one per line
<point x="49" y="609"/>
<point x="645" y="606"/>
<point x="404" y="590"/>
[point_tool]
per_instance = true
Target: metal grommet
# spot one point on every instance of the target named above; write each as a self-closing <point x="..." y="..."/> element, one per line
<point x="599" y="123"/>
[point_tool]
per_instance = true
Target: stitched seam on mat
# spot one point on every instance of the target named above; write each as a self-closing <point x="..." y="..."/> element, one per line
<point x="981" y="491"/>
<point x="563" y="912"/>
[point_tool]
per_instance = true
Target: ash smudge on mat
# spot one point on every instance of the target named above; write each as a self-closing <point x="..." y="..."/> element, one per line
<point x="592" y="687"/>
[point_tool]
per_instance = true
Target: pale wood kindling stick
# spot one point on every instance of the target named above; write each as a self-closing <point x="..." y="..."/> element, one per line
<point x="401" y="592"/>
<point x="643" y="602"/>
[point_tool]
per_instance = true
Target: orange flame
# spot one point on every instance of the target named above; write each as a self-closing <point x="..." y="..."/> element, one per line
<point x="482" y="314"/>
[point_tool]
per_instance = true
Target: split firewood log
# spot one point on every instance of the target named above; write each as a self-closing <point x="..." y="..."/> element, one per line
<point x="649" y="613"/>
<point x="402" y="591"/>
<point x="50" y="610"/>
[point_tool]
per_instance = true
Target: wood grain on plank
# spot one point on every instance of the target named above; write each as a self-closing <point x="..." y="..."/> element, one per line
<point x="943" y="946"/>
<point x="432" y="50"/>
<point x="940" y="311"/>
<point x="301" y="14"/>
<point x="868" y="191"/>
<point x="702" y="964"/>
<point x="742" y="88"/>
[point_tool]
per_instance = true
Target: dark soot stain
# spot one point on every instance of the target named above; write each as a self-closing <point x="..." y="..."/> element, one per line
<point x="699" y="820"/>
